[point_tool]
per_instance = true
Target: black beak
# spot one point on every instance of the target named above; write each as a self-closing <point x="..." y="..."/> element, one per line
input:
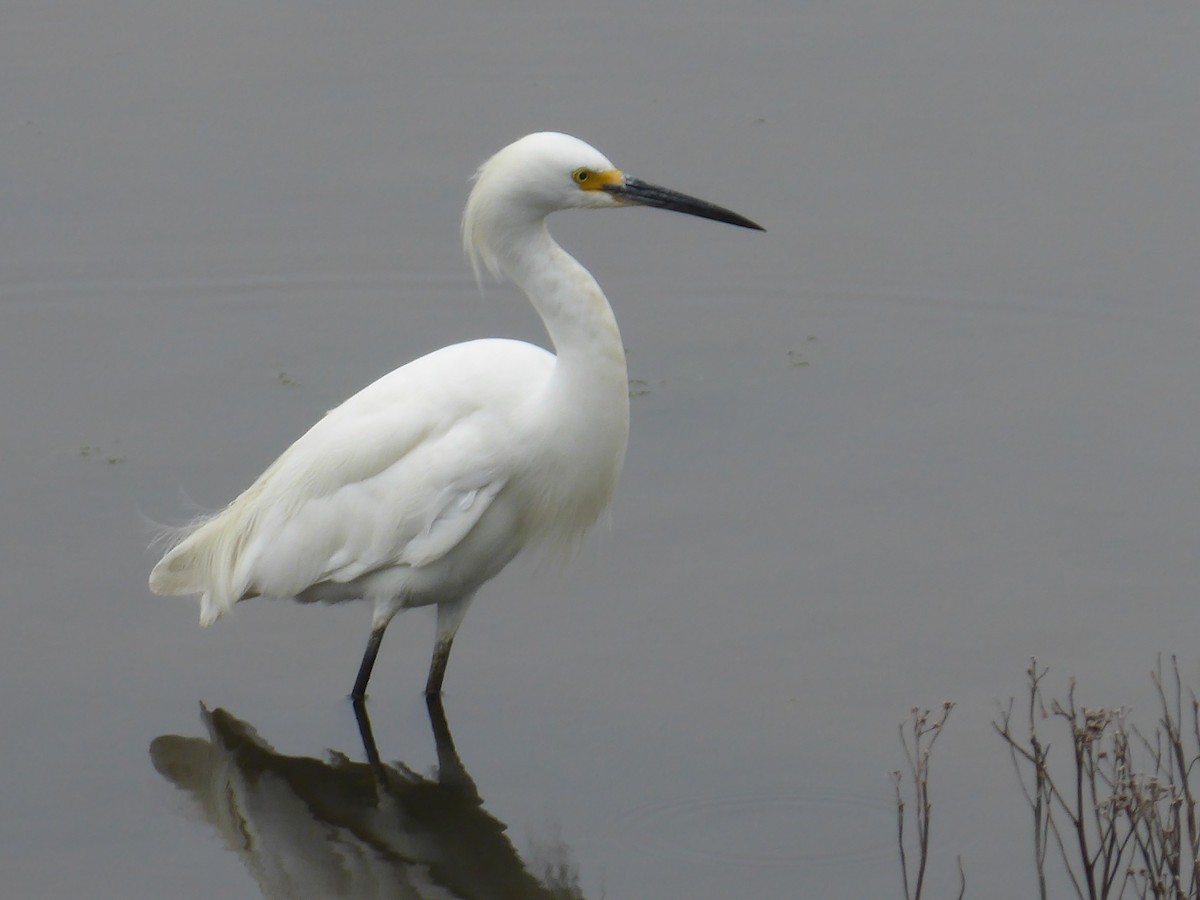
<point x="639" y="193"/>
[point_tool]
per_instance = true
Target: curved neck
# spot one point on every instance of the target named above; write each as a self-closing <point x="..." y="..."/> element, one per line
<point x="574" y="310"/>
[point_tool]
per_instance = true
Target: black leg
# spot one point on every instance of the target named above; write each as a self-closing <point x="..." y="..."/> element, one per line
<point x="437" y="667"/>
<point x="449" y="616"/>
<point x="368" y="662"/>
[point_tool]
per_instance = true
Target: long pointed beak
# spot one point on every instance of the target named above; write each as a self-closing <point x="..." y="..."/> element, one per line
<point x="637" y="192"/>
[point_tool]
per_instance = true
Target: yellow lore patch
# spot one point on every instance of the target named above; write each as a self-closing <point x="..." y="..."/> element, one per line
<point x="589" y="180"/>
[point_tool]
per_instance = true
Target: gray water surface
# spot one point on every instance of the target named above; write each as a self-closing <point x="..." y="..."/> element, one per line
<point x="941" y="417"/>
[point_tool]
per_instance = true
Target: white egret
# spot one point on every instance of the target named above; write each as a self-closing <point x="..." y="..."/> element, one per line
<point x="426" y="483"/>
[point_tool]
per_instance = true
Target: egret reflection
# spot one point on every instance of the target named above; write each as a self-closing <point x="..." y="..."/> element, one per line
<point x="307" y="827"/>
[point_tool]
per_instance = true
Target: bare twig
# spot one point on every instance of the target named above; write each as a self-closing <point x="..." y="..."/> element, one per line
<point x="917" y="736"/>
<point x="1128" y="821"/>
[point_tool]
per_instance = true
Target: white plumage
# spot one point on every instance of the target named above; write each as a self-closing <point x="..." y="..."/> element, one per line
<point x="425" y="484"/>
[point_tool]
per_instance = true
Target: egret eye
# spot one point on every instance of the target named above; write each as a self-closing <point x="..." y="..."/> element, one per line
<point x="581" y="176"/>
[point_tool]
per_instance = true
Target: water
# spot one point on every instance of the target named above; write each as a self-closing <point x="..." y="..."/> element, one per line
<point x="940" y="418"/>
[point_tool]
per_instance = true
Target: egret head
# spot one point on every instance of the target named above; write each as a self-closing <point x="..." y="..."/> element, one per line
<point x="548" y="171"/>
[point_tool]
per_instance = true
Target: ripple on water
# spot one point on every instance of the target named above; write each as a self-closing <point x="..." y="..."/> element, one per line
<point x="766" y="828"/>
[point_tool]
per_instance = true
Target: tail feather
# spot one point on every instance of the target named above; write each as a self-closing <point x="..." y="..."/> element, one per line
<point x="176" y="573"/>
<point x="202" y="562"/>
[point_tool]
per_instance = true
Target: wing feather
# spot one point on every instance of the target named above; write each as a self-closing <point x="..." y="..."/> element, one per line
<point x="397" y="475"/>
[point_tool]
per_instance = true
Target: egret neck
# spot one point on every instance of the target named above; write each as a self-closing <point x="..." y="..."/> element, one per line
<point x="586" y="404"/>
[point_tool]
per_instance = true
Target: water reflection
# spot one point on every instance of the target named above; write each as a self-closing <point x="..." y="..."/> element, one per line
<point x="306" y="827"/>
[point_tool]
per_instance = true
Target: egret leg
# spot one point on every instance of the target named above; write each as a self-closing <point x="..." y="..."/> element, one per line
<point x="449" y="617"/>
<point x="368" y="662"/>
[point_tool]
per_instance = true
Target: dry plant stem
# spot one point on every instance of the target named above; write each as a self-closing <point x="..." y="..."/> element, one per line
<point x="1183" y="766"/>
<point x="1042" y="793"/>
<point x="918" y="736"/>
<point x="1181" y="824"/>
<point x="1129" y="800"/>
